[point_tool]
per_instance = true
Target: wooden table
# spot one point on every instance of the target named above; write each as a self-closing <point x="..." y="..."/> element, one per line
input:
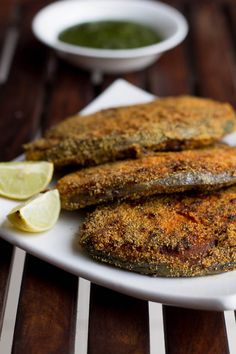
<point x="38" y="90"/>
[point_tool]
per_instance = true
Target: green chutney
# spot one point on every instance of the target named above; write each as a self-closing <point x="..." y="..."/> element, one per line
<point x="110" y="35"/>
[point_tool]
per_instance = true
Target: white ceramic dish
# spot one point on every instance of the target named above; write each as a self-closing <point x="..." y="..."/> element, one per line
<point x="54" y="18"/>
<point x="56" y="246"/>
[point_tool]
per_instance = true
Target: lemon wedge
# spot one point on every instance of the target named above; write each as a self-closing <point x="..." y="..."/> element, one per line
<point x="22" y="180"/>
<point x="38" y="214"/>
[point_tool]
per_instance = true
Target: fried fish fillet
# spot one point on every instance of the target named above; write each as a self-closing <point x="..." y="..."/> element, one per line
<point x="173" y="123"/>
<point x="179" y="235"/>
<point x="166" y="172"/>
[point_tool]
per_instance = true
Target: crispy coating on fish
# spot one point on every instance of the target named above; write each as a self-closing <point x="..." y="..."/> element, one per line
<point x="166" y="172"/>
<point x="173" y="123"/>
<point x="179" y="235"/>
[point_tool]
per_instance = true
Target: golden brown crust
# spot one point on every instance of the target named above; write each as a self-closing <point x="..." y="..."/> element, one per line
<point x="178" y="235"/>
<point x="205" y="169"/>
<point x="172" y="123"/>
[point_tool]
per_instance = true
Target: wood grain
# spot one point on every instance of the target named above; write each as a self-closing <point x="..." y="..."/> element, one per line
<point x="194" y="332"/>
<point x="5" y="260"/>
<point x="213" y="52"/>
<point x="21" y="100"/>
<point x="46" y="316"/>
<point x="171" y="75"/>
<point x="118" y="323"/>
<point x="70" y="91"/>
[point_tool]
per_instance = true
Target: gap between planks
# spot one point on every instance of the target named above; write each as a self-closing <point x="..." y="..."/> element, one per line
<point x="11" y="300"/>
<point x="82" y="317"/>
<point x="156" y="328"/>
<point x="230" y="325"/>
<point x="8" y="52"/>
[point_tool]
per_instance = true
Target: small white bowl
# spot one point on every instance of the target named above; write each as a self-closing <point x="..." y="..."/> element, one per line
<point x="54" y="18"/>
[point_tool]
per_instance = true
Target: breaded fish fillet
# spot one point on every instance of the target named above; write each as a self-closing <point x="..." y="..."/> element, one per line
<point x="172" y="123"/>
<point x="166" y="172"/>
<point x="177" y="235"/>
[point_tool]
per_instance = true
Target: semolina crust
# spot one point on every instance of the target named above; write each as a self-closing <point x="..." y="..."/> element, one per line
<point x="166" y="172"/>
<point x="179" y="235"/>
<point x="166" y="124"/>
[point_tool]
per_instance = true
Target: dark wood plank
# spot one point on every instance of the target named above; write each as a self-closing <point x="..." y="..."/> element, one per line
<point x="194" y="332"/>
<point x="118" y="323"/>
<point x="5" y="260"/>
<point x="7" y="8"/>
<point x="22" y="98"/>
<point x="213" y="52"/>
<point x="137" y="78"/>
<point x="8" y="38"/>
<point x="230" y="13"/>
<point x="46" y="316"/>
<point x="71" y="90"/>
<point x="171" y="74"/>
<point x="6" y="18"/>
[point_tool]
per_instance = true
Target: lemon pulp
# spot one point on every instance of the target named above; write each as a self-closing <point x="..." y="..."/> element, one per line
<point x="38" y="214"/>
<point x="22" y="180"/>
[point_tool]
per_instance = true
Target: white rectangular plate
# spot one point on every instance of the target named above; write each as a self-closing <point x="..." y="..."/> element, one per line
<point x="57" y="246"/>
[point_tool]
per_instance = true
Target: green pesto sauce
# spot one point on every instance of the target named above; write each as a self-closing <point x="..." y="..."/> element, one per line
<point x="110" y="35"/>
